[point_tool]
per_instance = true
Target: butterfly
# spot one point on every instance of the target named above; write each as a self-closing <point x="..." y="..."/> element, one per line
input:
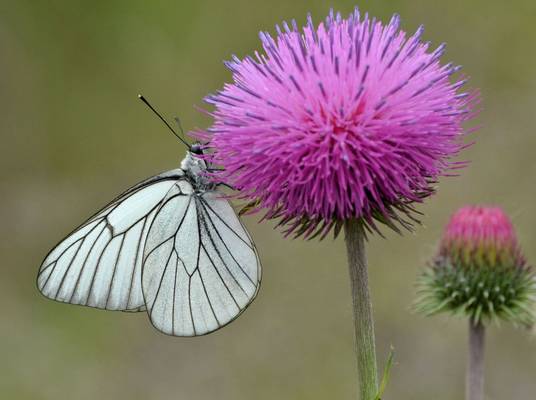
<point x="171" y="245"/>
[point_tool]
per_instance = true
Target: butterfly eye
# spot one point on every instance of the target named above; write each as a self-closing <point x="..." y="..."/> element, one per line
<point x="196" y="149"/>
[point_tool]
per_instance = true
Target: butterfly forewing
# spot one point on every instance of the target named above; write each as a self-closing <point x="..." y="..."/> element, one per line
<point x="200" y="269"/>
<point x="99" y="264"/>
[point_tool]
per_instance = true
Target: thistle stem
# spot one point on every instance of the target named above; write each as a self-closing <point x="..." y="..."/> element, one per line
<point x="362" y="309"/>
<point x="474" y="389"/>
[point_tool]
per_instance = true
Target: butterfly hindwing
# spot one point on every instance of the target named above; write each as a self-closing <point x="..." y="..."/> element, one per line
<point x="99" y="264"/>
<point x="200" y="268"/>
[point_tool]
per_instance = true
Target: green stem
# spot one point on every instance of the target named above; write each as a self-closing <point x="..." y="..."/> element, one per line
<point x="474" y="386"/>
<point x="362" y="308"/>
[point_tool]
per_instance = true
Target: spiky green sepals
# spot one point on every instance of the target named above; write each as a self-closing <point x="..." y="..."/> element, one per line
<point x="483" y="293"/>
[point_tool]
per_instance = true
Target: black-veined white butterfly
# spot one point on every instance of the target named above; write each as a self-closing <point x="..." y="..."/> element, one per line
<point x="171" y="245"/>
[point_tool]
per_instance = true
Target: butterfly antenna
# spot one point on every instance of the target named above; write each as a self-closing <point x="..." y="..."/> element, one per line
<point x="164" y="121"/>
<point x="178" y="122"/>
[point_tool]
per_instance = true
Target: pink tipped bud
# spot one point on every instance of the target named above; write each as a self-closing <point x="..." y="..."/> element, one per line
<point x="480" y="271"/>
<point x="479" y="235"/>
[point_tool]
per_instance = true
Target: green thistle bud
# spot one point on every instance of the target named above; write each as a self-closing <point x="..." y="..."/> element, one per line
<point x="479" y="271"/>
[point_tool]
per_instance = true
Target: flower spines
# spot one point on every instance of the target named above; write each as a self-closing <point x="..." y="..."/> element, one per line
<point x="481" y="294"/>
<point x="351" y="119"/>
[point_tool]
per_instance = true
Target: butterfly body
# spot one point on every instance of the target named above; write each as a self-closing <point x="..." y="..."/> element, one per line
<point x="194" y="169"/>
<point x="171" y="245"/>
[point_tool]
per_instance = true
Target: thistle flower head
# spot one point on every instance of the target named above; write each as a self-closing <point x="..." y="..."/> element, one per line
<point x="479" y="271"/>
<point x="347" y="119"/>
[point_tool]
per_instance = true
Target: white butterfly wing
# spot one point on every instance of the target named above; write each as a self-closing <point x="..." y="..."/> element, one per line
<point x="200" y="268"/>
<point x="99" y="264"/>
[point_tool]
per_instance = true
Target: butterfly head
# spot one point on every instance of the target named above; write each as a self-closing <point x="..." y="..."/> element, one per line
<point x="195" y="166"/>
<point x="196" y="149"/>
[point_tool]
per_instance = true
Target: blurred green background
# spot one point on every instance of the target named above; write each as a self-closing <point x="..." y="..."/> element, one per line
<point x="74" y="135"/>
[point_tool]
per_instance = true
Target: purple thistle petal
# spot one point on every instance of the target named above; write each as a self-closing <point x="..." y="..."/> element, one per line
<point x="476" y="234"/>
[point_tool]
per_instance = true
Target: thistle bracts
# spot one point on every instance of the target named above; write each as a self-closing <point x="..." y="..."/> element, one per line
<point x="479" y="271"/>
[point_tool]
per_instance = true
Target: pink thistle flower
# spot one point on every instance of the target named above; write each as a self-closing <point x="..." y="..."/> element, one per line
<point x="350" y="119"/>
<point x="478" y="235"/>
